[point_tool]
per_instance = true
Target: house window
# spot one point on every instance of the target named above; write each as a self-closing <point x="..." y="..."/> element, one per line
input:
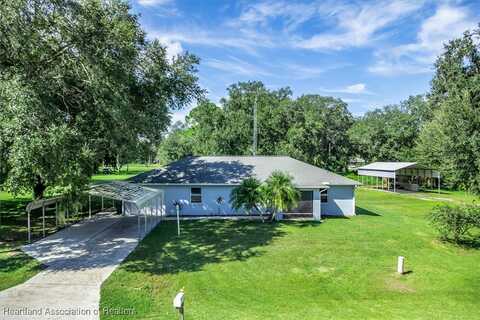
<point x="324" y="195"/>
<point x="196" y="195"/>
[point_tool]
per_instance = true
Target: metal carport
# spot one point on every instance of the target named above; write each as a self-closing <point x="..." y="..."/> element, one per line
<point x="136" y="200"/>
<point x="406" y="175"/>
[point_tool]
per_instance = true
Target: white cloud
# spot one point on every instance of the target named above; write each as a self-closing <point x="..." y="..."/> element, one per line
<point x="174" y="48"/>
<point x="275" y="24"/>
<point x="357" y="88"/>
<point x="292" y="14"/>
<point x="447" y="23"/>
<point x="237" y="66"/>
<point x="196" y="36"/>
<point x="358" y="25"/>
<point x="298" y="71"/>
<point x="151" y="3"/>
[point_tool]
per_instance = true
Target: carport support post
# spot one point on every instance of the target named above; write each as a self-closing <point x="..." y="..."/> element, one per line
<point x="150" y="214"/>
<point x="102" y="204"/>
<point x="394" y="182"/>
<point x="123" y="207"/>
<point x="438" y="182"/>
<point x="89" y="207"/>
<point x="43" y="219"/>
<point x="28" y="226"/>
<point x="56" y="214"/>
<point x="138" y="223"/>
<point x="67" y="213"/>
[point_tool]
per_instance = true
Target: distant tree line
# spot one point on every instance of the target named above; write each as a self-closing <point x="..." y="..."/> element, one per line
<point x="440" y="129"/>
<point x="310" y="128"/>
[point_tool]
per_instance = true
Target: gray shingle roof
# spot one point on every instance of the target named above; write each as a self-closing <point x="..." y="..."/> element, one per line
<point x="233" y="169"/>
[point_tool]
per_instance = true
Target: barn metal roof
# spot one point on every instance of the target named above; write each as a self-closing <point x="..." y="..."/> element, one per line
<point x="233" y="169"/>
<point x="124" y="191"/>
<point x="389" y="166"/>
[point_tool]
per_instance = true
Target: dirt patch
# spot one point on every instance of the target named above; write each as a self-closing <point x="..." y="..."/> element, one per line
<point x="397" y="285"/>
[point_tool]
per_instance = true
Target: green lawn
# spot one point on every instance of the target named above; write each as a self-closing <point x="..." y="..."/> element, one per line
<point x="15" y="266"/>
<point x="125" y="173"/>
<point x="339" y="269"/>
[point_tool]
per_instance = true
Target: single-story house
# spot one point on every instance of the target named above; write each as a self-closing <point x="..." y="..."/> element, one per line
<point x="203" y="184"/>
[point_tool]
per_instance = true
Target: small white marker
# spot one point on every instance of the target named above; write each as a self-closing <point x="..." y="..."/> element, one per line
<point x="400" y="265"/>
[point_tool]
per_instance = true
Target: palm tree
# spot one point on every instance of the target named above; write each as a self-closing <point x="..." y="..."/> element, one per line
<point x="248" y="196"/>
<point x="280" y="192"/>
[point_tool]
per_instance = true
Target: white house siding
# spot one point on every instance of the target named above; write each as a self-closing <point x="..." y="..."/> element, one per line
<point x="341" y="201"/>
<point x="209" y="205"/>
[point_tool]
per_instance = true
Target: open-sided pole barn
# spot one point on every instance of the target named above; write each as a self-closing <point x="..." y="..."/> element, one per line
<point x="404" y="175"/>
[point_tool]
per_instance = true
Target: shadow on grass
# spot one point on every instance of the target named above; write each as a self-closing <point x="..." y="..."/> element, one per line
<point x="467" y="242"/>
<point x="200" y="243"/>
<point x="13" y="220"/>
<point x="327" y="217"/>
<point x="364" y="212"/>
<point x="434" y="191"/>
<point x="301" y="224"/>
<point x="470" y="243"/>
<point x="16" y="260"/>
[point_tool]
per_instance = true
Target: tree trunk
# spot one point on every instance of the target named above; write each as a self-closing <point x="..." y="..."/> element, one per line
<point x="38" y="188"/>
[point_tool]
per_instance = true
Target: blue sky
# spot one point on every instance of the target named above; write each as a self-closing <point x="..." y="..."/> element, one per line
<point x="369" y="53"/>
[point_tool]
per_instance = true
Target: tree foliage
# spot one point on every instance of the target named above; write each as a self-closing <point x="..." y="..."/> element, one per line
<point x="311" y="128"/>
<point x="277" y="194"/>
<point x="451" y="141"/>
<point x="318" y="132"/>
<point x="248" y="195"/>
<point x="280" y="193"/>
<point x="178" y="143"/>
<point x="79" y="85"/>
<point x="389" y="133"/>
<point x="455" y="222"/>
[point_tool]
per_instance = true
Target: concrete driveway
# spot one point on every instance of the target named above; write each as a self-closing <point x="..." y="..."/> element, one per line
<point x="78" y="259"/>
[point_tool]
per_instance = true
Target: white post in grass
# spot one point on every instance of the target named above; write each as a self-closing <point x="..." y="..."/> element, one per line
<point x="400" y="265"/>
<point x="179" y="302"/>
<point x="178" y="218"/>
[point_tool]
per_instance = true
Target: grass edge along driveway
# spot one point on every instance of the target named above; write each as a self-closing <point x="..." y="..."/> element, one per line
<point x="342" y="268"/>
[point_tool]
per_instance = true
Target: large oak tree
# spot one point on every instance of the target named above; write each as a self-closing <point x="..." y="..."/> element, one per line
<point x="79" y="84"/>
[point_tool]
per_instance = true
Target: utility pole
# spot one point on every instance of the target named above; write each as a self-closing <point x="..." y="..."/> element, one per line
<point x="255" y="125"/>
